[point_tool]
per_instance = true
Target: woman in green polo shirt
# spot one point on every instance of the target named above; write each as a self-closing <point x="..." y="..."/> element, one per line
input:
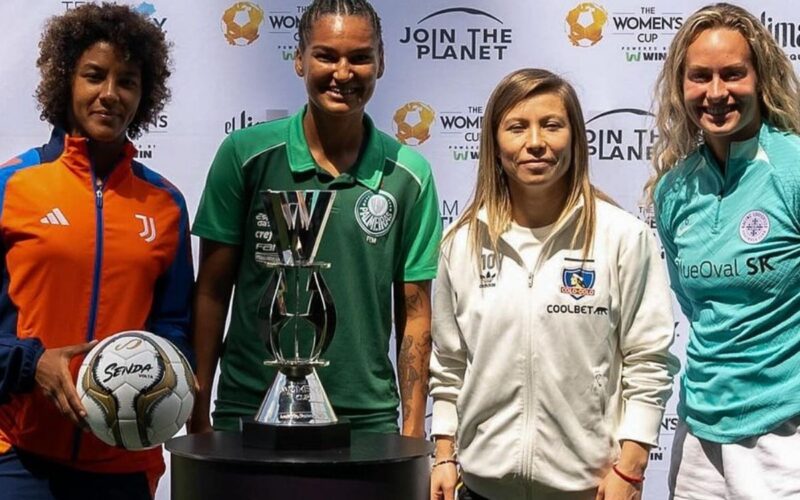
<point x="382" y="235"/>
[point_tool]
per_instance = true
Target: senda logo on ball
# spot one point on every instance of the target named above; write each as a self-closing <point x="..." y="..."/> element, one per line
<point x="459" y="34"/>
<point x="114" y="370"/>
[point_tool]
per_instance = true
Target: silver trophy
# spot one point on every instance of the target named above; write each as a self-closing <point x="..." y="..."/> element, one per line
<point x="296" y="296"/>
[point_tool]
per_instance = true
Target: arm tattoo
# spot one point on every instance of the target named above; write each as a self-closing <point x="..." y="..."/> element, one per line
<point x="414" y="304"/>
<point x="408" y="374"/>
<point x="449" y="447"/>
<point x="413" y="358"/>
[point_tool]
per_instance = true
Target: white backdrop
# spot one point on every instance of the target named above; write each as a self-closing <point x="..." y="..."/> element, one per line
<point x="443" y="59"/>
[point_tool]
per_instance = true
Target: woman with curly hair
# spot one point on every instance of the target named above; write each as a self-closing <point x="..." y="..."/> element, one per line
<point x="727" y="199"/>
<point x="551" y="318"/>
<point x="76" y="263"/>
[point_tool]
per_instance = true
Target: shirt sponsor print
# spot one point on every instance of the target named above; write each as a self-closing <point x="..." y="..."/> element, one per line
<point x="265" y="249"/>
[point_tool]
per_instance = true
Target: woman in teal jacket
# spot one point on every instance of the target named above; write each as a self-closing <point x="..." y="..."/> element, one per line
<point x="727" y="199"/>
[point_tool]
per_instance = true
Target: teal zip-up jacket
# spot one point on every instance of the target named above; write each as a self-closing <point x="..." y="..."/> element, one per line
<point x="732" y="243"/>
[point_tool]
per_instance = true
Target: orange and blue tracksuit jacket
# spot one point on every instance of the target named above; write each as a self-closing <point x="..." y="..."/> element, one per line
<point x="83" y="258"/>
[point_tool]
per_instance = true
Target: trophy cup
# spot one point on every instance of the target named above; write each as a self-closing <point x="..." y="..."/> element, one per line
<point x="296" y="412"/>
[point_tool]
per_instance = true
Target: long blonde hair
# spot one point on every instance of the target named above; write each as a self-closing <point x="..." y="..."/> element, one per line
<point x="492" y="192"/>
<point x="777" y="85"/>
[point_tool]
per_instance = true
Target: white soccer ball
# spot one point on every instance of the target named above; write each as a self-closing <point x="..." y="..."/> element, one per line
<point x="137" y="388"/>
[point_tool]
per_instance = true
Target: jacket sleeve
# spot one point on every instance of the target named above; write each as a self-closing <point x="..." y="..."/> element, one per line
<point x="448" y="356"/>
<point x="671" y="255"/>
<point x="646" y="333"/>
<point x="18" y="360"/>
<point x="18" y="357"/>
<point x="170" y="313"/>
<point x="663" y="207"/>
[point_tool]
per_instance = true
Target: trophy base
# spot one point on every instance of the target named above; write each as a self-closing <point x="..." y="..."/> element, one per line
<point x="295" y="437"/>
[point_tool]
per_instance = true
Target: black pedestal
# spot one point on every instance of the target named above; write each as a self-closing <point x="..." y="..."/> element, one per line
<point x="299" y="437"/>
<point x="375" y="467"/>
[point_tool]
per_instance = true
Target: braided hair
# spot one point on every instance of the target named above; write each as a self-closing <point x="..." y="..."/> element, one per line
<point x="320" y="8"/>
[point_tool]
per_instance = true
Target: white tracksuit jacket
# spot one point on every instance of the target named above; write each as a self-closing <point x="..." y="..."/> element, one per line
<point x="540" y="372"/>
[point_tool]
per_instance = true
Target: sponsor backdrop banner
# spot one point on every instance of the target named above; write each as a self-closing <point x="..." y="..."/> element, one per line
<point x="233" y="69"/>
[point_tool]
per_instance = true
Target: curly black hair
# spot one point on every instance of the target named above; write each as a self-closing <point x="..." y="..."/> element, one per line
<point x="66" y="38"/>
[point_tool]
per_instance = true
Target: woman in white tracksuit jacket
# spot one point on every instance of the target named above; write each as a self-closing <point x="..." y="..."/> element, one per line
<point x="552" y="318"/>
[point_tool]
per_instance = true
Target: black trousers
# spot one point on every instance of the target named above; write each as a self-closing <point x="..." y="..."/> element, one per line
<point x="27" y="477"/>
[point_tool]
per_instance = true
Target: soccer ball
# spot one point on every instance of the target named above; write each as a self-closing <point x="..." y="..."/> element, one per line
<point x="585" y="24"/>
<point x="240" y="23"/>
<point x="137" y="388"/>
<point x="412" y="123"/>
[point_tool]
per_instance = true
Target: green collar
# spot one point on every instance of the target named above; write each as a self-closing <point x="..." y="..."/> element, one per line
<point x="368" y="169"/>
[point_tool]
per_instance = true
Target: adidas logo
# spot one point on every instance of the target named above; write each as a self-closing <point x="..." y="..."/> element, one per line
<point x="55" y="217"/>
<point x="488" y="279"/>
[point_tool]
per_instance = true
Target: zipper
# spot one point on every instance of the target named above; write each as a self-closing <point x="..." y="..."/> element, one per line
<point x="528" y="449"/>
<point x="531" y="392"/>
<point x="719" y="210"/>
<point x="529" y="401"/>
<point x="721" y="177"/>
<point x="98" y="186"/>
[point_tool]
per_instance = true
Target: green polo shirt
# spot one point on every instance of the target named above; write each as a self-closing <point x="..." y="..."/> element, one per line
<point x="384" y="228"/>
